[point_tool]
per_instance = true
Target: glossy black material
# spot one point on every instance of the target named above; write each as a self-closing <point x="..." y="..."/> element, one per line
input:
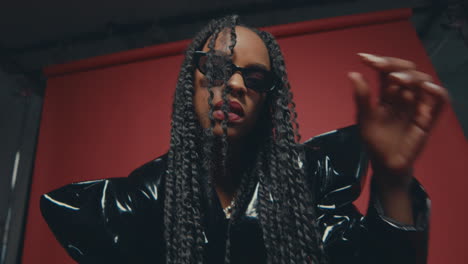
<point x="120" y="220"/>
<point x="255" y="77"/>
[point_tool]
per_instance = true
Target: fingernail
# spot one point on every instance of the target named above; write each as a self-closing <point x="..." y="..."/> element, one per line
<point x="401" y="75"/>
<point x="433" y="85"/>
<point x="354" y="75"/>
<point x="372" y="58"/>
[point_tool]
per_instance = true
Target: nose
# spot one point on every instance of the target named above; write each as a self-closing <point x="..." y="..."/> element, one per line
<point x="236" y="85"/>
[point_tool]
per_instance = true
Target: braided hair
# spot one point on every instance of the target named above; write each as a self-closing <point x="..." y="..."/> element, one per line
<point x="286" y="210"/>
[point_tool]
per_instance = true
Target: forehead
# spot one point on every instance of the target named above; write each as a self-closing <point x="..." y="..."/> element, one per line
<point x="249" y="48"/>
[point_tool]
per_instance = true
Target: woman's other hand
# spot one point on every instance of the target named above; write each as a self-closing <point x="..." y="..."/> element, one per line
<point x="395" y="125"/>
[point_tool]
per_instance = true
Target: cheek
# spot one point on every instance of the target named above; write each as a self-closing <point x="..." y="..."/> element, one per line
<point x="200" y="102"/>
<point x="257" y="102"/>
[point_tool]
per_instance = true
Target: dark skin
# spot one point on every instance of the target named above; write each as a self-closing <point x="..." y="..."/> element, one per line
<point x="394" y="127"/>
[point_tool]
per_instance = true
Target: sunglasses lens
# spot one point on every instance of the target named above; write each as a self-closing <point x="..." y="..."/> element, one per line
<point x="200" y="62"/>
<point x="217" y="64"/>
<point x="257" y="80"/>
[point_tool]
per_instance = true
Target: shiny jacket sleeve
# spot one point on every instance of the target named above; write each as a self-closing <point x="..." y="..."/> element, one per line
<point x="96" y="221"/>
<point x="337" y="167"/>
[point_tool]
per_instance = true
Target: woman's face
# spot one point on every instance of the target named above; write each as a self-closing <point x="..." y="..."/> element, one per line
<point x="246" y="104"/>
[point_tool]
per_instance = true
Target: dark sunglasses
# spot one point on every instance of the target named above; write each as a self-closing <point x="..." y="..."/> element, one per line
<point x="255" y="78"/>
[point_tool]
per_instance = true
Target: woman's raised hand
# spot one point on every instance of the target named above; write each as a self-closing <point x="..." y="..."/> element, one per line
<point x="396" y="123"/>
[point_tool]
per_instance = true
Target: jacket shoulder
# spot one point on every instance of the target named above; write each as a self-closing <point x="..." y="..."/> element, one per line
<point x="93" y="220"/>
<point x="149" y="178"/>
<point x="336" y="166"/>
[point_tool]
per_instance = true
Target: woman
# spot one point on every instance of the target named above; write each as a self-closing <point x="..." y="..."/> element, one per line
<point x="237" y="187"/>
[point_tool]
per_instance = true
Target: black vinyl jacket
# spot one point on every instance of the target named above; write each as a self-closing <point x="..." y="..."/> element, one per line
<point x="120" y="220"/>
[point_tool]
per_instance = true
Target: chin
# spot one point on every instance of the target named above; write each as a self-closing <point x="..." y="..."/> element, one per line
<point x="233" y="133"/>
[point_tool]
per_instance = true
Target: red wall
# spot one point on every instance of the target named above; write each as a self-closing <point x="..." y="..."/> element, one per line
<point x="105" y="116"/>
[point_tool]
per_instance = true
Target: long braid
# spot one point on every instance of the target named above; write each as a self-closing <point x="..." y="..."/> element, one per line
<point x="301" y="199"/>
<point x="271" y="206"/>
<point x="224" y="124"/>
<point x="195" y="187"/>
<point x="184" y="234"/>
<point x="284" y="140"/>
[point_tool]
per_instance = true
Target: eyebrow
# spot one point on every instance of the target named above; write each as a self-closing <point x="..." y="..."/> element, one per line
<point x="256" y="65"/>
<point x="249" y="65"/>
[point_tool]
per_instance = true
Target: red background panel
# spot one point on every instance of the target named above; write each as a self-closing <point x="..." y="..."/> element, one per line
<point x="105" y="116"/>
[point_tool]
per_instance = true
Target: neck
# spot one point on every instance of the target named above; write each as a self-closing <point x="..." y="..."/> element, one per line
<point x="227" y="179"/>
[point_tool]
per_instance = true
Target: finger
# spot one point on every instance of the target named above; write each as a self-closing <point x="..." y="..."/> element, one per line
<point x="401" y="87"/>
<point x="390" y="94"/>
<point x="409" y="78"/>
<point x="401" y="102"/>
<point x="430" y="105"/>
<point x="426" y="109"/>
<point x="386" y="64"/>
<point x="436" y="90"/>
<point x="407" y="96"/>
<point x="411" y="94"/>
<point x="362" y="93"/>
<point x="410" y="83"/>
<point x="438" y="98"/>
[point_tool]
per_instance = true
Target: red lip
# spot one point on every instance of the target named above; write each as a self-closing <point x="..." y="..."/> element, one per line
<point x="234" y="107"/>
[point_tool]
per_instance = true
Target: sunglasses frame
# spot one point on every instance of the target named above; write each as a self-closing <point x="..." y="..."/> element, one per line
<point x="198" y="54"/>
